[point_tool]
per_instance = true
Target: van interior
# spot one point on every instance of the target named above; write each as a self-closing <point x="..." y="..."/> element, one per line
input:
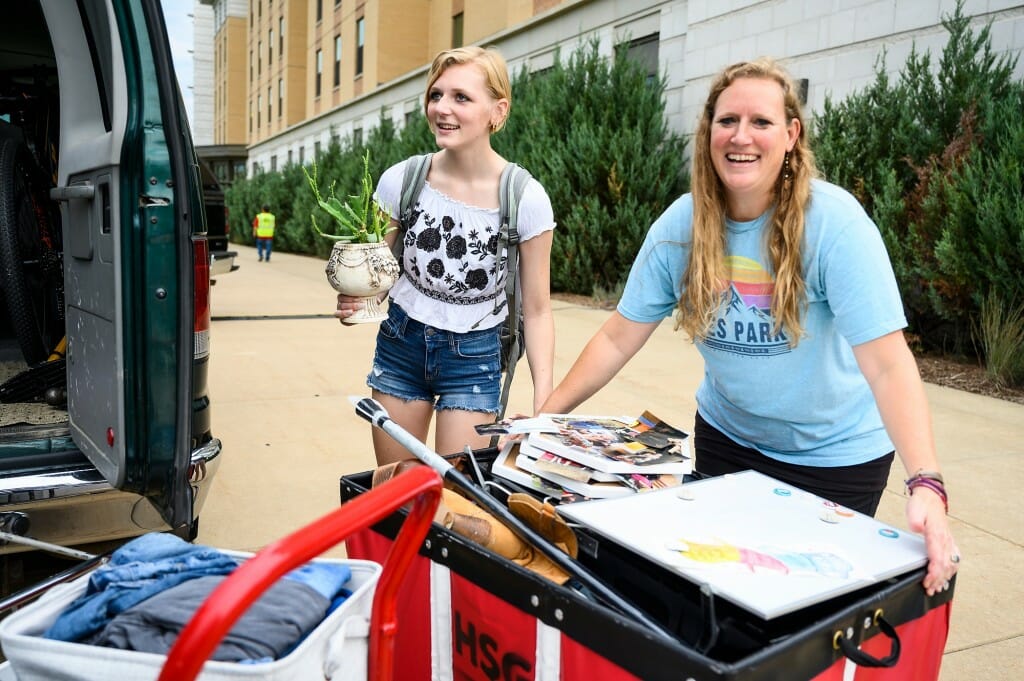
<point x="33" y="383"/>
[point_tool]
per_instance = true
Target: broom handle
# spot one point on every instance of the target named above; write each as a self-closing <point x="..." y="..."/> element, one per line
<point x="374" y="412"/>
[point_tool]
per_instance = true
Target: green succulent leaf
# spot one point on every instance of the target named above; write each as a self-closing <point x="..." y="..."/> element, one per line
<point x="359" y="218"/>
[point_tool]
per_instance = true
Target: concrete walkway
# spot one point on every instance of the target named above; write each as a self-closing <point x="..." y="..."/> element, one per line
<point x="281" y="368"/>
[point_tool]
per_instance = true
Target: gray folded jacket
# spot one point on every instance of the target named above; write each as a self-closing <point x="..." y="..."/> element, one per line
<point x="272" y="626"/>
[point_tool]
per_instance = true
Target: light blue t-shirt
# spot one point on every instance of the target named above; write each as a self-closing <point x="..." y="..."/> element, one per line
<point x="807" y="405"/>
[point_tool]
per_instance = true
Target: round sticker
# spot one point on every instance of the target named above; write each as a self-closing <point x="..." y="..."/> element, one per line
<point x="886" y="532"/>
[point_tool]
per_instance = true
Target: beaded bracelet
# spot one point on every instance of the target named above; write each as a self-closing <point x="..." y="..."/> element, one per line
<point x="933" y="485"/>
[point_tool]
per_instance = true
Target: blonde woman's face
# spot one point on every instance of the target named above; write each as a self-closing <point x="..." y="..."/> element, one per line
<point x="460" y="108"/>
<point x="750" y="136"/>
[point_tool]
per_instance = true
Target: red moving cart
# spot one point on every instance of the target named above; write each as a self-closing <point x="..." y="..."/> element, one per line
<point x="470" y="614"/>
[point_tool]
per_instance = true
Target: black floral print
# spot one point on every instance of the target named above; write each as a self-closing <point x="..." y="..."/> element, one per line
<point x="466" y="265"/>
<point x="429" y="240"/>
<point x="456" y="248"/>
<point x="435" y="268"/>
<point x="477" y="279"/>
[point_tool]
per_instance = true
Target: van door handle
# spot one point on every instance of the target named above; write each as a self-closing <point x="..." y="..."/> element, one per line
<point x="81" y="190"/>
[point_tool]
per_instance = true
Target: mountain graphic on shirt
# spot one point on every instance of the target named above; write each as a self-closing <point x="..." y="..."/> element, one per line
<point x="745" y="324"/>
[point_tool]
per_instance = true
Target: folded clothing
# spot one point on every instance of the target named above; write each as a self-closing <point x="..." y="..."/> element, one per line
<point x="148" y="568"/>
<point x="272" y="626"/>
<point x="145" y="566"/>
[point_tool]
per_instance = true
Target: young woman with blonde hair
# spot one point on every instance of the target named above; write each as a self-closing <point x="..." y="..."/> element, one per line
<point x="784" y="284"/>
<point x="438" y="350"/>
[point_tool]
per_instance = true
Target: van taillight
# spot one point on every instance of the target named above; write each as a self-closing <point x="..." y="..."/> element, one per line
<point x="201" y="285"/>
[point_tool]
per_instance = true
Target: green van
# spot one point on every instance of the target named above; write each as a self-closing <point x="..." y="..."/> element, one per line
<point x="104" y="280"/>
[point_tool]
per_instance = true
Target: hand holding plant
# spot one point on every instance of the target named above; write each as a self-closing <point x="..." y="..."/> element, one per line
<point x="359" y="219"/>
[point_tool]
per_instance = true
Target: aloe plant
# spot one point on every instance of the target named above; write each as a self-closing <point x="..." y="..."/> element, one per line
<point x="359" y="219"/>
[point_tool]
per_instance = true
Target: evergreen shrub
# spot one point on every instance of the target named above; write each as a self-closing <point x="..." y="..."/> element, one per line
<point x="935" y="157"/>
<point x="591" y="130"/>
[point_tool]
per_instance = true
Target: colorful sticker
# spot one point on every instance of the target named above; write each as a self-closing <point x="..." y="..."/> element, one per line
<point x="787" y="562"/>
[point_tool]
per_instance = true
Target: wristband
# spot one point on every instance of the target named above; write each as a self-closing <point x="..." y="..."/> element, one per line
<point x="933" y="485"/>
<point x="931" y="475"/>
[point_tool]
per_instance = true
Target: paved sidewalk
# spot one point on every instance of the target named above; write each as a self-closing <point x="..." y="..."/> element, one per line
<point x="281" y="368"/>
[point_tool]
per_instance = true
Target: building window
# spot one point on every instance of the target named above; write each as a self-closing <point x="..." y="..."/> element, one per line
<point x="289" y="157"/>
<point x="302" y="155"/>
<point x="280" y="96"/>
<point x="357" y="137"/>
<point x="270" y="48"/>
<point x="319" y="71"/>
<point x="280" y="37"/>
<point x="337" y="60"/>
<point x="270" y="105"/>
<point x="259" y="8"/>
<point x="259" y="108"/>
<point x="360" y="41"/>
<point x="645" y="51"/>
<point x="273" y="163"/>
<point x="259" y="57"/>
<point x="319" y="10"/>
<point x="457" y="30"/>
<point x="316" y="150"/>
<point x="250" y="66"/>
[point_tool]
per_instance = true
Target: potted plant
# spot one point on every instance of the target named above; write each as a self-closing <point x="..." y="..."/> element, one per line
<point x="361" y="263"/>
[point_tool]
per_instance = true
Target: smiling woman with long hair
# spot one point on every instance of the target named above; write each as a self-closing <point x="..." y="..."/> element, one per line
<point x="784" y="284"/>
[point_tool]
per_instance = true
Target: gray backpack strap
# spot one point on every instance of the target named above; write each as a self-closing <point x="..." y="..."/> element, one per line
<point x="415" y="176"/>
<point x="514" y="179"/>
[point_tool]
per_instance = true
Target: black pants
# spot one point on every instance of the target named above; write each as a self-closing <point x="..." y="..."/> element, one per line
<point x="857" y="487"/>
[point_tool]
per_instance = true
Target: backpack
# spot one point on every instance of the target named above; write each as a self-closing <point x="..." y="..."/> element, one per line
<point x="513" y="182"/>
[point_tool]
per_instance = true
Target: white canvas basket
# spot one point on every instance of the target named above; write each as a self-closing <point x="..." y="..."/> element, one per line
<point x="336" y="649"/>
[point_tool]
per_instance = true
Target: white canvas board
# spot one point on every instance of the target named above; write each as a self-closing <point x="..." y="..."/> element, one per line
<point x="765" y="546"/>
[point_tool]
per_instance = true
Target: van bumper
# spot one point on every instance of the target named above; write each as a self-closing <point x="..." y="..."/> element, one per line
<point x="75" y="505"/>
<point x="222" y="262"/>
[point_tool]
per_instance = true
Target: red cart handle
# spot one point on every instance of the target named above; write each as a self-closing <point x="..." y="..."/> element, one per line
<point x="234" y="595"/>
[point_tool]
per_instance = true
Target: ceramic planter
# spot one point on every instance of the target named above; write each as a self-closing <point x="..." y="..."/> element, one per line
<point x="363" y="271"/>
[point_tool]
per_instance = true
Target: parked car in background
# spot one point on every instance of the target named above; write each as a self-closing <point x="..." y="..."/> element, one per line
<point x="222" y="260"/>
<point x="105" y="429"/>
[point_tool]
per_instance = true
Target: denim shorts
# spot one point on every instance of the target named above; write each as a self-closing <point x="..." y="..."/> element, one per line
<point x="450" y="370"/>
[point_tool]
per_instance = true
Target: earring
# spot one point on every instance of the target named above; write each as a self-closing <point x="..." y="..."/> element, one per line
<point x="786" y="174"/>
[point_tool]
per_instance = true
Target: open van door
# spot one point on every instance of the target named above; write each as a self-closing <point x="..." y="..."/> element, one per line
<point x="132" y="224"/>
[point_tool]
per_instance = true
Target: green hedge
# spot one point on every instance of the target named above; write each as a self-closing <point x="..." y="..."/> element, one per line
<point x="593" y="131"/>
<point x="604" y="155"/>
<point x="935" y="156"/>
<point x="288" y="195"/>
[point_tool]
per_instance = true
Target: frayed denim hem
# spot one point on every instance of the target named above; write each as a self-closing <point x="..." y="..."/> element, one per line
<point x="475" y="409"/>
<point x="392" y="393"/>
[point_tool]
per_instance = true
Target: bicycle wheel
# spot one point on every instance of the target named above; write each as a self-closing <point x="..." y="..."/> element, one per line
<point x="31" y="271"/>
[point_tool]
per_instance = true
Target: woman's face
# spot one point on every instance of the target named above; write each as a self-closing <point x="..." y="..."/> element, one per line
<point x="750" y="136"/>
<point x="460" y="108"/>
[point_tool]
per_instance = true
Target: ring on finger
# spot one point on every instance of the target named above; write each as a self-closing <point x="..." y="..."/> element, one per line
<point x="955" y="558"/>
<point x="945" y="586"/>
